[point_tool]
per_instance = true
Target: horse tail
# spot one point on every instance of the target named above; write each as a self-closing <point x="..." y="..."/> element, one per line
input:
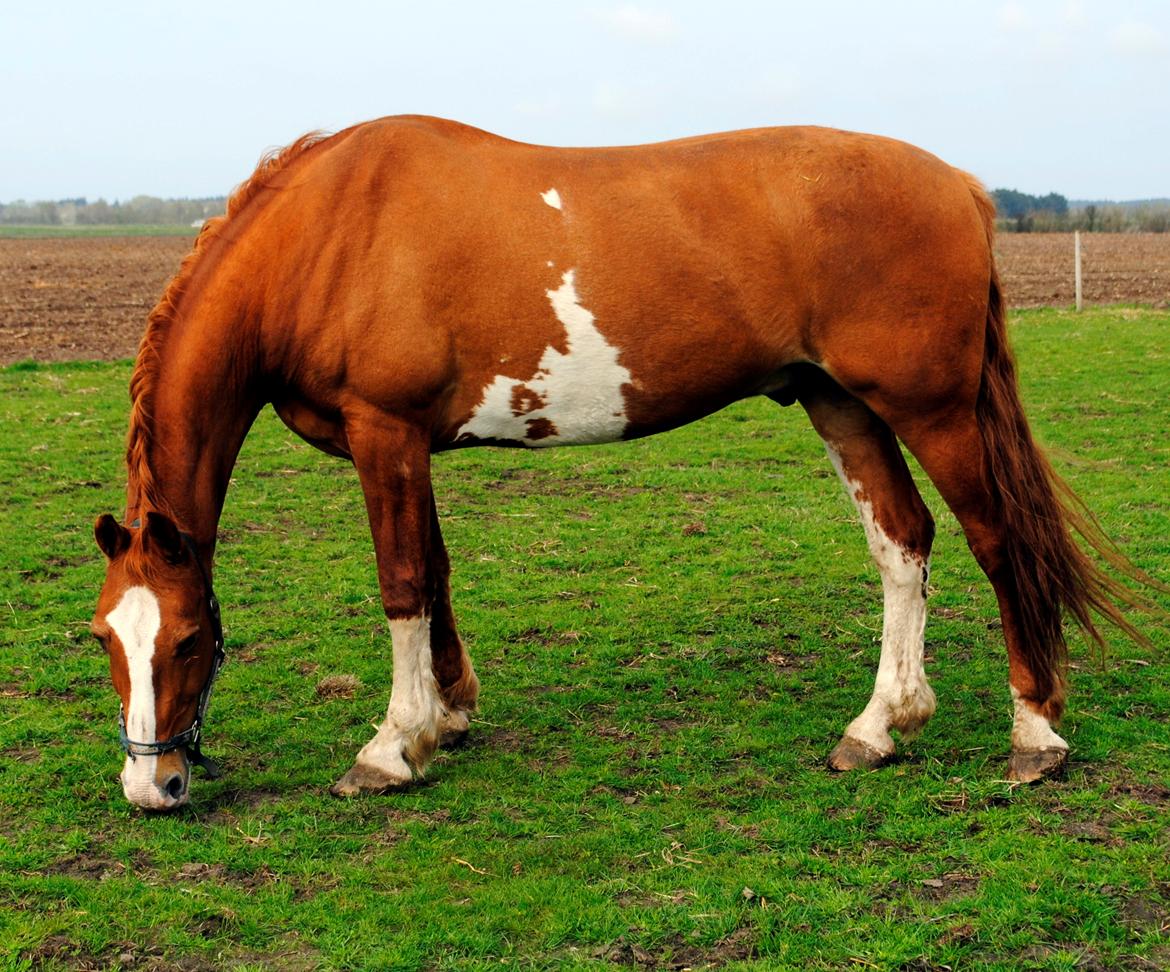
<point x="1053" y="575"/>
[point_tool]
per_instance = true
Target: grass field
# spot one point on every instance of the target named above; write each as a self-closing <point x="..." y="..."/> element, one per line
<point x="671" y="635"/>
<point x="129" y="229"/>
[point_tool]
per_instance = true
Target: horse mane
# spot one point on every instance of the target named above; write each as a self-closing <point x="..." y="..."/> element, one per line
<point x="144" y="489"/>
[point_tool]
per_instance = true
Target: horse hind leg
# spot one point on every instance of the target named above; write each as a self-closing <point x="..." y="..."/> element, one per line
<point x="899" y="530"/>
<point x="1026" y="574"/>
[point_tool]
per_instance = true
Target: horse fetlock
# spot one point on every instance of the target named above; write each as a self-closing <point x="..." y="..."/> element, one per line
<point x="462" y="694"/>
<point x="453" y="727"/>
<point x="418" y="748"/>
<point x="1031" y="730"/>
<point x="913" y="710"/>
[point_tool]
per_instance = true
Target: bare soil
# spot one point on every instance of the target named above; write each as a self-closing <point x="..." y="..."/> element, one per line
<point x="81" y="299"/>
<point x="69" y="299"/>
<point x="1117" y="268"/>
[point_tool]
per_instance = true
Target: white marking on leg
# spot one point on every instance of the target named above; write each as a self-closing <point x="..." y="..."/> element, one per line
<point x="575" y="397"/>
<point x="1030" y="730"/>
<point x="902" y="698"/>
<point x="136" y="621"/>
<point x="410" y="732"/>
<point x="552" y="198"/>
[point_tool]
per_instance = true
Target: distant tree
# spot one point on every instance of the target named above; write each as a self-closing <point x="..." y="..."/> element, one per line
<point x="1024" y="212"/>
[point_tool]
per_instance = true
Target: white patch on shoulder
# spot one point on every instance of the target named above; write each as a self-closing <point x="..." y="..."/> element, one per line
<point x="136" y="621"/>
<point x="552" y="198"/>
<point x="575" y="397"/>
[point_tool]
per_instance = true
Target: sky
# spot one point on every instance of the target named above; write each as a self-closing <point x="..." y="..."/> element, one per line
<point x="116" y="99"/>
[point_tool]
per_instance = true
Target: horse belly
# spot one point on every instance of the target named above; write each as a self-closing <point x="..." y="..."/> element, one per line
<point x="623" y="381"/>
<point x="575" y="397"/>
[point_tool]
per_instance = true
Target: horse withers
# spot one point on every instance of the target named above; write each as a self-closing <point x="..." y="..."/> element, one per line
<point x="412" y="285"/>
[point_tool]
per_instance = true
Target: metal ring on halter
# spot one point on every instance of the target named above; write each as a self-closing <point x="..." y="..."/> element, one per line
<point x="190" y="738"/>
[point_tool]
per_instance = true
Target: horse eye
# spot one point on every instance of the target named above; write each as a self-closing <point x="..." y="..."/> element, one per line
<point x="187" y="646"/>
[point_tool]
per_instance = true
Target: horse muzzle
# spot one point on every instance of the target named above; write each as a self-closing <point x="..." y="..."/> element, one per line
<point x="157" y="782"/>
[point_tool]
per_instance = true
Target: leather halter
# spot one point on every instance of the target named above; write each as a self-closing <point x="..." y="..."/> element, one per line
<point x="190" y="739"/>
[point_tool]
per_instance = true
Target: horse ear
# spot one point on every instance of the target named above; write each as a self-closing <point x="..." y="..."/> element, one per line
<point x="110" y="535"/>
<point x="160" y="531"/>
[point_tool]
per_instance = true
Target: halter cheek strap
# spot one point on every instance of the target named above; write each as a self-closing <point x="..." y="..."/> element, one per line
<point x="190" y="739"/>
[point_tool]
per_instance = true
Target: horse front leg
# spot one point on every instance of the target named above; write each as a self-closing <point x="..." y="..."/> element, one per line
<point x="393" y="463"/>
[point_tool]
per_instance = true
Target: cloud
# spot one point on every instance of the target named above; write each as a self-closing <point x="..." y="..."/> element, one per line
<point x="1012" y="16"/>
<point x="613" y="99"/>
<point x="1075" y="14"/>
<point x="539" y="106"/>
<point x="777" y="84"/>
<point x="639" y="23"/>
<point x="1134" y="39"/>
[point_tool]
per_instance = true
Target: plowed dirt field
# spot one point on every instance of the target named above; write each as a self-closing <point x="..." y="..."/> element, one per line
<point x="87" y="298"/>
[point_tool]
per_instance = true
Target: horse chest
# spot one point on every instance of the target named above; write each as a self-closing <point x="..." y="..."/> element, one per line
<point x="319" y="430"/>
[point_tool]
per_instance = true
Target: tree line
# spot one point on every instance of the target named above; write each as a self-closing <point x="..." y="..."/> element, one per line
<point x="144" y="210"/>
<point x="1020" y="212"/>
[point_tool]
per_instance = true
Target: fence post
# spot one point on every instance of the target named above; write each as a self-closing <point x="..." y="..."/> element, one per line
<point x="1077" y="258"/>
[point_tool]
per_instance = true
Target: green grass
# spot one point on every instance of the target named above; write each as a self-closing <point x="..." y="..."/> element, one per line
<point x="671" y="634"/>
<point x="129" y="229"/>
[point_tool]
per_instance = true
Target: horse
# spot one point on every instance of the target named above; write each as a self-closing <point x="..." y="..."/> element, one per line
<point x="412" y="285"/>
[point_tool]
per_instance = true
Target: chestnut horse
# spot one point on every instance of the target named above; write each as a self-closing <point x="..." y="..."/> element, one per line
<point x="412" y="285"/>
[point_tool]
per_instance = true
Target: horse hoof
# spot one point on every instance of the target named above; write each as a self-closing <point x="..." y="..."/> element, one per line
<point x="453" y="727"/>
<point x="853" y="754"/>
<point x="1030" y="765"/>
<point x="363" y="778"/>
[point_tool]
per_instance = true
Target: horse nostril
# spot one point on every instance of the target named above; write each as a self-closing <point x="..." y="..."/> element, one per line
<point x="174" y="786"/>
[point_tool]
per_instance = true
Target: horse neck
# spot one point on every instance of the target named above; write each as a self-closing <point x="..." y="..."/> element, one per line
<point x="200" y="381"/>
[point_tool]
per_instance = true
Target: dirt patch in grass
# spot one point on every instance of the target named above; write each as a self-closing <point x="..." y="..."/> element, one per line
<point x="1151" y="794"/>
<point x="61" y="949"/>
<point x="676" y="953"/>
<point x="338" y="687"/>
<point x="948" y="886"/>
<point x="89" y="866"/>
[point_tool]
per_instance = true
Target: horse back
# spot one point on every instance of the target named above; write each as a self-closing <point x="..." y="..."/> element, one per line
<point x="521" y="294"/>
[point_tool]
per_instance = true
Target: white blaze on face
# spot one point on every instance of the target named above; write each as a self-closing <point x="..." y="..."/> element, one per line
<point x="136" y="621"/>
<point x="552" y="198"/>
<point x="575" y="397"/>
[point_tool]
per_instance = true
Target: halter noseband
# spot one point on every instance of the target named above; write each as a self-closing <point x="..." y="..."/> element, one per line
<point x="190" y="739"/>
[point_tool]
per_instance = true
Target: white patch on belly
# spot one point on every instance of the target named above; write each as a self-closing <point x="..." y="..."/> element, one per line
<point x="136" y="621"/>
<point x="552" y="198"/>
<point x="575" y="398"/>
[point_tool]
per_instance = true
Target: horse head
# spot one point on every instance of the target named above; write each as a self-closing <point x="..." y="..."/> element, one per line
<point x="158" y="621"/>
